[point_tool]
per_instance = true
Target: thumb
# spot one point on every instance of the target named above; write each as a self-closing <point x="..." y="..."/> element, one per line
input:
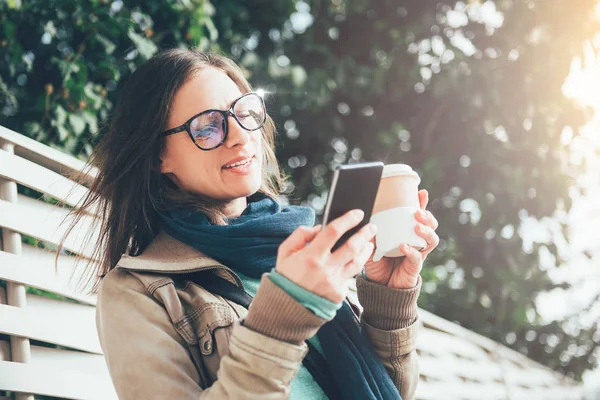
<point x="298" y="239"/>
<point x="423" y="198"/>
<point x="413" y="261"/>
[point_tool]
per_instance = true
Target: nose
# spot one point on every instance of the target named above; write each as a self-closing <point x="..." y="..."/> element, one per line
<point x="237" y="135"/>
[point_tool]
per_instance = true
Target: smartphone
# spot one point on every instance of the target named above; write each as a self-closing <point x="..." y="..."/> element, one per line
<point x="353" y="186"/>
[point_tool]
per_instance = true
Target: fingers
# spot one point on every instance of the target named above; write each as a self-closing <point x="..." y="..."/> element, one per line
<point x="423" y="198"/>
<point x="297" y="240"/>
<point x="426" y="218"/>
<point x="354" y="246"/>
<point x="356" y="265"/>
<point x="430" y="237"/>
<point x="323" y="243"/>
<point x="414" y="259"/>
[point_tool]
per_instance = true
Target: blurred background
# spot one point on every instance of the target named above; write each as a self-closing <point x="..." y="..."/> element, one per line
<point x="495" y="104"/>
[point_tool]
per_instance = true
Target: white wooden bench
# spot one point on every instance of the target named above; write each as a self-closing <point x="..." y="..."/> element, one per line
<point x="50" y="347"/>
<point x="47" y="346"/>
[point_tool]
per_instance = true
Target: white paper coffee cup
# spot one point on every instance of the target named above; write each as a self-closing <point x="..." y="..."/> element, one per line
<point x="394" y="211"/>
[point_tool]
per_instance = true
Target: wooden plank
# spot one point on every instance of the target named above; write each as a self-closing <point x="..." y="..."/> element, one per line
<point x="91" y="364"/>
<point x="69" y="270"/>
<point x="433" y="390"/>
<point x="41" y="154"/>
<point x="436" y="369"/>
<point x="81" y="312"/>
<point x="52" y="210"/>
<point x="430" y="391"/>
<point x="34" y="220"/>
<point x="435" y="322"/>
<point x="448" y="368"/>
<point x="52" y="321"/>
<point x="443" y="343"/>
<point x="447" y="357"/>
<point x="551" y="393"/>
<point x="19" y="269"/>
<point x="44" y="208"/>
<point x="43" y="180"/>
<point x="529" y="377"/>
<point x="56" y="382"/>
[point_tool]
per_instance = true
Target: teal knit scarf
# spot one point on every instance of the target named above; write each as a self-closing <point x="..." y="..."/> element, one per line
<point x="249" y="244"/>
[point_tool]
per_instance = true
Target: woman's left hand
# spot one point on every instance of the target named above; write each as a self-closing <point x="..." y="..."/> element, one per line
<point x="403" y="272"/>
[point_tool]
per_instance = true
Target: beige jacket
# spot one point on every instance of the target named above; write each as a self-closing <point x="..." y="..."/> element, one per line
<point x="168" y="339"/>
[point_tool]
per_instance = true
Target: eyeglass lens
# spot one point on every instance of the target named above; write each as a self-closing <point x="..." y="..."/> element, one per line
<point x="208" y="129"/>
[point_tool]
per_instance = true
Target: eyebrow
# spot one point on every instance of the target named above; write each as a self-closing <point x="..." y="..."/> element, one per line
<point x="233" y="101"/>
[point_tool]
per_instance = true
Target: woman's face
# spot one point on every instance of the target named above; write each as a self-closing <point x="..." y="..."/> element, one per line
<point x="205" y="172"/>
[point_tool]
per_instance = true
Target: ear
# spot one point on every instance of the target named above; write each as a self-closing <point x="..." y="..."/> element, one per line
<point x="165" y="165"/>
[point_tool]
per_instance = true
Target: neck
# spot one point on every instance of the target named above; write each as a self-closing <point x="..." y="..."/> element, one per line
<point x="235" y="208"/>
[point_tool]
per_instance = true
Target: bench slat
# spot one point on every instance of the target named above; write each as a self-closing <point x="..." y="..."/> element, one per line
<point x="56" y="381"/>
<point x="34" y="220"/>
<point x="43" y="180"/>
<point x="52" y="321"/>
<point x="43" y="155"/>
<point x="22" y="270"/>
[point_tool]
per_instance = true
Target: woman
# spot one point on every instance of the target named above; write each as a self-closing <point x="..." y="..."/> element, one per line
<point x="192" y="228"/>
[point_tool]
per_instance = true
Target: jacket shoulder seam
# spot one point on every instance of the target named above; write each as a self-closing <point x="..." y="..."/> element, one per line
<point x="135" y="275"/>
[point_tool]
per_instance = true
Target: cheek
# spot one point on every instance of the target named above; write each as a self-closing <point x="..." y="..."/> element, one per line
<point x="199" y="175"/>
<point x="258" y="140"/>
<point x="188" y="163"/>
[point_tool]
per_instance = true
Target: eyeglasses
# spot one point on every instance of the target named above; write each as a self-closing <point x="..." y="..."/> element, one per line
<point x="208" y="130"/>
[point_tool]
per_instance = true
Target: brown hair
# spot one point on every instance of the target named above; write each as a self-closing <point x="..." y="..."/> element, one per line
<point x="128" y="190"/>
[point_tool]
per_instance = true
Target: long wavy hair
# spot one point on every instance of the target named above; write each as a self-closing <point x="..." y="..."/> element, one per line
<point x="127" y="192"/>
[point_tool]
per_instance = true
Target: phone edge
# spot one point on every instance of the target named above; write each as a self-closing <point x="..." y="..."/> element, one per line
<point x="336" y="174"/>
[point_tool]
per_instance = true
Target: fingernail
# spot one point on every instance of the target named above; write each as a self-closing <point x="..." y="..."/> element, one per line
<point x="372" y="229"/>
<point x="423" y="214"/>
<point x="358" y="214"/>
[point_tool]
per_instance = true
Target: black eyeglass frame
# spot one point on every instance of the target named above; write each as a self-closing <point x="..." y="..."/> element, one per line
<point x="226" y="113"/>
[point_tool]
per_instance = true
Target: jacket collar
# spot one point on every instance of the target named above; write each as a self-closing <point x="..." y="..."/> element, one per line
<point x="167" y="255"/>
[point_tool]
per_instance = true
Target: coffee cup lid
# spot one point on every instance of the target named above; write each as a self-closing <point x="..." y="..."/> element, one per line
<point x="398" y="169"/>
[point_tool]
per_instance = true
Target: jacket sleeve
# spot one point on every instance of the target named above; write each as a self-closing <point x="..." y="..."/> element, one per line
<point x="390" y="320"/>
<point x="148" y="359"/>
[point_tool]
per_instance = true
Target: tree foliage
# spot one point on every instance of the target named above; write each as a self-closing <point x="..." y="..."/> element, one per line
<point x="468" y="93"/>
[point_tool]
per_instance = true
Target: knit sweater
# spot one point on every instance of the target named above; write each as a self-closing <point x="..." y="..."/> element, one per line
<point x="303" y="386"/>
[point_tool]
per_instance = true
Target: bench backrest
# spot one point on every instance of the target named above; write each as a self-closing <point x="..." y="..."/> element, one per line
<point x="53" y="342"/>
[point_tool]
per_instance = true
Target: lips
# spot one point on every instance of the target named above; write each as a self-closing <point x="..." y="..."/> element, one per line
<point x="238" y="161"/>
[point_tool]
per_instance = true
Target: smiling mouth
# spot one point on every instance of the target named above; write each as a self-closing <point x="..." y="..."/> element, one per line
<point x="242" y="163"/>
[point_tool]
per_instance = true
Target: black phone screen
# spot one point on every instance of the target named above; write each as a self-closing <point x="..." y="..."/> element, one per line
<point x="353" y="186"/>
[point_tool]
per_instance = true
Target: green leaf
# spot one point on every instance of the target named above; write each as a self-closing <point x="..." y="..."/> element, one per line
<point x="91" y="120"/>
<point x="213" y="33"/>
<point x="108" y="45"/>
<point x="145" y="46"/>
<point x="60" y="116"/>
<point x="31" y="128"/>
<point x="14" y="4"/>
<point x="92" y="96"/>
<point x="77" y="123"/>
<point x="209" y="9"/>
<point x="63" y="133"/>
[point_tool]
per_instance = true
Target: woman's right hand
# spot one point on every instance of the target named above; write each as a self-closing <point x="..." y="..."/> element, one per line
<point x="314" y="267"/>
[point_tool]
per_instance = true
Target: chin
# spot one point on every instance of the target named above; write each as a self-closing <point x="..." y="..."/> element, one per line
<point x="244" y="185"/>
<point x="248" y="188"/>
